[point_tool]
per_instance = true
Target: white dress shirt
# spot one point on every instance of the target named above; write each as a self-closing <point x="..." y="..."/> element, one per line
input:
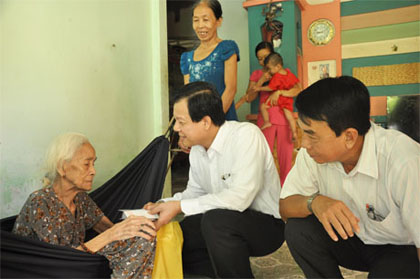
<point x="386" y="179"/>
<point x="237" y="172"/>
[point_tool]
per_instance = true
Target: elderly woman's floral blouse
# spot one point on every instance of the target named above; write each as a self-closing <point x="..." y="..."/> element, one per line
<point x="45" y="217"/>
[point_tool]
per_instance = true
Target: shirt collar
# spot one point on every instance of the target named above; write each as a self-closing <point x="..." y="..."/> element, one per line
<point x="367" y="163"/>
<point x="219" y="141"/>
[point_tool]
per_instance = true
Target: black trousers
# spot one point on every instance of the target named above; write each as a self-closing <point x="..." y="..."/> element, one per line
<point x="319" y="256"/>
<point x="219" y="242"/>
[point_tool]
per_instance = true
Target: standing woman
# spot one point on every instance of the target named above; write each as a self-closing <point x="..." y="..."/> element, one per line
<point x="214" y="60"/>
<point x="280" y="128"/>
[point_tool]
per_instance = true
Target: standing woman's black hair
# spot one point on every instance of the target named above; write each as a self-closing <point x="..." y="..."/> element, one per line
<point x="214" y="5"/>
<point x="264" y="45"/>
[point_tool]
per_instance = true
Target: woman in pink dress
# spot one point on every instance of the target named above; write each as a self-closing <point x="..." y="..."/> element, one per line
<point x="280" y="127"/>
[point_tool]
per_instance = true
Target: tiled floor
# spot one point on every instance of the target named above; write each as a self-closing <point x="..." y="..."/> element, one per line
<point x="281" y="265"/>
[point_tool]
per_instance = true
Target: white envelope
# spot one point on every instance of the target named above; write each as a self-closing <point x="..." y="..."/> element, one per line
<point x="138" y="212"/>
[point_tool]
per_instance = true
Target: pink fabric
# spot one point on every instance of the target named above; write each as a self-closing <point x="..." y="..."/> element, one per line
<point x="276" y="114"/>
<point x="284" y="147"/>
<point x="280" y="128"/>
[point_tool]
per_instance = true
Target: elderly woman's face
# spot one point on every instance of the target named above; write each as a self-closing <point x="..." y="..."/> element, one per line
<point x="80" y="171"/>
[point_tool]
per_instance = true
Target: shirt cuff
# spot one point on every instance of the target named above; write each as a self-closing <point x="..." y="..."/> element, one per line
<point x="168" y="199"/>
<point x="176" y="197"/>
<point x="191" y="207"/>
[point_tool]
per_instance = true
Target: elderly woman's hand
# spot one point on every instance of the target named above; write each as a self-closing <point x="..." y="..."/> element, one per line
<point x="132" y="226"/>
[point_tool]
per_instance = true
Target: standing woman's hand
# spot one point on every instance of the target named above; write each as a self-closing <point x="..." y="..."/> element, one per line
<point x="251" y="94"/>
<point x="186" y="79"/>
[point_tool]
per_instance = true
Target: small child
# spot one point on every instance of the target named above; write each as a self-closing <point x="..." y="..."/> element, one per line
<point x="282" y="79"/>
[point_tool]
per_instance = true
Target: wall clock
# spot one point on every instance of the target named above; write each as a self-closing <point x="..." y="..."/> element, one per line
<point x="321" y="32"/>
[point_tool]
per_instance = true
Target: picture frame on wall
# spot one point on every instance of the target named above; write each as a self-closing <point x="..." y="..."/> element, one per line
<point x="321" y="69"/>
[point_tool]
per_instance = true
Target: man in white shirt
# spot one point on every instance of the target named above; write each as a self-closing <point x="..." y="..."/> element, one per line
<point x="352" y="198"/>
<point x="231" y="201"/>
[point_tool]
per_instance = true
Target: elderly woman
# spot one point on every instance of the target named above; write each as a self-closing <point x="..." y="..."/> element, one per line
<point x="61" y="212"/>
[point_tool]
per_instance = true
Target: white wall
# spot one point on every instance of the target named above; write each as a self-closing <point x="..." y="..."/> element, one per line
<point x="235" y="27"/>
<point x="98" y="67"/>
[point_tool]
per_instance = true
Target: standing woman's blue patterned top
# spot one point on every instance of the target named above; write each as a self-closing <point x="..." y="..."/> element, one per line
<point x="212" y="69"/>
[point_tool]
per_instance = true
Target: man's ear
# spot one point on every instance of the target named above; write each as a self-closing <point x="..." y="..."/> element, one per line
<point x="350" y="137"/>
<point x="207" y="122"/>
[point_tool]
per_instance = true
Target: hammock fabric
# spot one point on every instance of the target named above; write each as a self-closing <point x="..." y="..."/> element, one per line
<point x="139" y="182"/>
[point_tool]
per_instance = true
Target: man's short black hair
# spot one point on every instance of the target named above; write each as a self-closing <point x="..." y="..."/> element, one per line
<point x="342" y="102"/>
<point x="203" y="100"/>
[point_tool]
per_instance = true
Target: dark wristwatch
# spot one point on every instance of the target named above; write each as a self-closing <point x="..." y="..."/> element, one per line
<point x="310" y="200"/>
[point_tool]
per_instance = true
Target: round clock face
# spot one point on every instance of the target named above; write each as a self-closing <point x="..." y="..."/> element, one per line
<point x="321" y="32"/>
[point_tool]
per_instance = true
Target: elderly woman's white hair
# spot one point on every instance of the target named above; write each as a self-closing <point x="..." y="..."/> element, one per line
<point x="61" y="149"/>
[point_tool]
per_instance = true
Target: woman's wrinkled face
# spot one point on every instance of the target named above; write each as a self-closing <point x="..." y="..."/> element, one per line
<point x="205" y="23"/>
<point x="80" y="170"/>
<point x="262" y="54"/>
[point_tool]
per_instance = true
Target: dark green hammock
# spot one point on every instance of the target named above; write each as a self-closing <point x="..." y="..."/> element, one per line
<point x="139" y="182"/>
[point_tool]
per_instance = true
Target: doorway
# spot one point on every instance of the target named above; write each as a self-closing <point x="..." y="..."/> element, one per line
<point x="181" y="38"/>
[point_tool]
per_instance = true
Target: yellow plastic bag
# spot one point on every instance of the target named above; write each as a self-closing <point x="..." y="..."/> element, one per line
<point x="168" y="257"/>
